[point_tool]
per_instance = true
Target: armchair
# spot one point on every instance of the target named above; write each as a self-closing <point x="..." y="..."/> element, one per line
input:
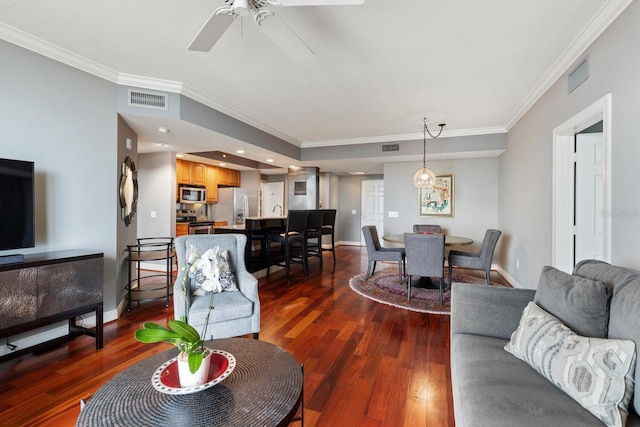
<point x="235" y="312"/>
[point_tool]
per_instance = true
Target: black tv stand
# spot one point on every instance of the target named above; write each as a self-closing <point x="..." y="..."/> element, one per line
<point x="47" y="288"/>
<point x="11" y="259"/>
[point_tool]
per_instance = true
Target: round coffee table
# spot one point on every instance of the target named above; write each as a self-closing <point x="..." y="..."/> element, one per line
<point x="265" y="388"/>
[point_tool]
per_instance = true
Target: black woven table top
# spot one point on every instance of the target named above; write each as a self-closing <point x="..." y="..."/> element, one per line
<point x="263" y="390"/>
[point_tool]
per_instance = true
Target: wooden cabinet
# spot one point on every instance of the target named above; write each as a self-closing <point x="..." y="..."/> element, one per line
<point x="211" y="182"/>
<point x="47" y="288"/>
<point x="190" y="172"/>
<point x="234" y="178"/>
<point x="182" y="229"/>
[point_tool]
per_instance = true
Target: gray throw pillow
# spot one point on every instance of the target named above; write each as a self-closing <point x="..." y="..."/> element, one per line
<point x="581" y="304"/>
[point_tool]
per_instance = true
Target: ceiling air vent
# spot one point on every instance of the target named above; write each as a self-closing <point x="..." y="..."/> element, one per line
<point x="390" y="147"/>
<point x="579" y="74"/>
<point x="155" y="100"/>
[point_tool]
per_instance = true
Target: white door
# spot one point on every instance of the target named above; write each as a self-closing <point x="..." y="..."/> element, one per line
<point x="589" y="197"/>
<point x="372" y="205"/>
<point x="272" y="199"/>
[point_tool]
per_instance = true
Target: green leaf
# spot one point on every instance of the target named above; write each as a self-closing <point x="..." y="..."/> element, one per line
<point x="149" y="325"/>
<point x="195" y="360"/>
<point x="186" y="331"/>
<point x="155" y="335"/>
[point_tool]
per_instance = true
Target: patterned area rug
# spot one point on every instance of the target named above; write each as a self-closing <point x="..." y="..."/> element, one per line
<point x="383" y="287"/>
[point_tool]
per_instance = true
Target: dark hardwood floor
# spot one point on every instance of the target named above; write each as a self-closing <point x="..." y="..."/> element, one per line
<point x="365" y="363"/>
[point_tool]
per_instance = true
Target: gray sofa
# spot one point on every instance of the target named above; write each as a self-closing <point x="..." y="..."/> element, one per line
<point x="491" y="387"/>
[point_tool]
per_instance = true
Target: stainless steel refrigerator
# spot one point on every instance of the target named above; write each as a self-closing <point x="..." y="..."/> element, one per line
<point x="232" y="206"/>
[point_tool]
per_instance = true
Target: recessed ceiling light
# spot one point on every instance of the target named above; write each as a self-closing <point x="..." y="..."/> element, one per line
<point x="163" y="129"/>
<point x="223" y="164"/>
<point x="240" y="151"/>
<point x="162" y="144"/>
<point x="180" y="155"/>
<point x="270" y="160"/>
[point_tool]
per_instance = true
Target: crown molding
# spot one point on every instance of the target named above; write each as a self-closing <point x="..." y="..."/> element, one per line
<point x="149" y="83"/>
<point x="605" y="16"/>
<point x="403" y="137"/>
<point x="44" y="48"/>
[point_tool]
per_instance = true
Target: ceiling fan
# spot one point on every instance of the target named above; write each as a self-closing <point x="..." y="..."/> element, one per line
<point x="265" y="19"/>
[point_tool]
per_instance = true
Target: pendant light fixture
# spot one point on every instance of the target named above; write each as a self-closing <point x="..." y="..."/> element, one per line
<point x="425" y="178"/>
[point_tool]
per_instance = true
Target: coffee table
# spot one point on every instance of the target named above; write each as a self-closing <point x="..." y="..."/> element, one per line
<point x="265" y="388"/>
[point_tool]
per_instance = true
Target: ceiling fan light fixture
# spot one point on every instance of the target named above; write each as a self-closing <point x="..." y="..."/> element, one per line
<point x="241" y="7"/>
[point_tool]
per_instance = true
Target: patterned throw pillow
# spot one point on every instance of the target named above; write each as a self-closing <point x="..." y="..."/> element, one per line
<point x="595" y="372"/>
<point x="214" y="273"/>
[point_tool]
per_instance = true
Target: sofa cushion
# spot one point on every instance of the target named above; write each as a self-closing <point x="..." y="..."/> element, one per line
<point x="581" y="304"/>
<point x="597" y="373"/>
<point x="625" y="304"/>
<point x="491" y="388"/>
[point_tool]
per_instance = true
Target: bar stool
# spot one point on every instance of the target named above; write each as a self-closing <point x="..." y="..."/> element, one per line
<point x="328" y="229"/>
<point x="149" y="249"/>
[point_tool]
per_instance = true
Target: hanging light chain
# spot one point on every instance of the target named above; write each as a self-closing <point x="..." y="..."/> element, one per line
<point x="424" y="140"/>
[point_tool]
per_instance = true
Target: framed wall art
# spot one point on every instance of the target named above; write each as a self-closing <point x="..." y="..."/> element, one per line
<point x="437" y="200"/>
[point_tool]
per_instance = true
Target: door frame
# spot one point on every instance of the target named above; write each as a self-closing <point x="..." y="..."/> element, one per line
<point x="563" y="181"/>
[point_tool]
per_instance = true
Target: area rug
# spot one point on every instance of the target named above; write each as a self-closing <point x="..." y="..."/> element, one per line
<point x="383" y="287"/>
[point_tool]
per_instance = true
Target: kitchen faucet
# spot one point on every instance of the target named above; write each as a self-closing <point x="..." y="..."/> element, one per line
<point x="277" y="206"/>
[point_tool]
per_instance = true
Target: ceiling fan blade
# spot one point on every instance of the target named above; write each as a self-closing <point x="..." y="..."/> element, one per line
<point x="211" y="31"/>
<point x="316" y="2"/>
<point x="283" y="36"/>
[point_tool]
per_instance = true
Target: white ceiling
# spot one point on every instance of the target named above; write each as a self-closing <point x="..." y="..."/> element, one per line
<point x="378" y="68"/>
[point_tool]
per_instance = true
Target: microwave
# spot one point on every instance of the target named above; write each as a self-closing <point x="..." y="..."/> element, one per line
<point x="192" y="194"/>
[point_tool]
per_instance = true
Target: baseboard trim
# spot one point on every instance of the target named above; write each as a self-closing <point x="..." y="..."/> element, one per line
<point x="512" y="281"/>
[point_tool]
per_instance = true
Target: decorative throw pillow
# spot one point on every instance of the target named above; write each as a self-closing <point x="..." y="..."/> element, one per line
<point x="581" y="304"/>
<point x="211" y="272"/>
<point x="595" y="372"/>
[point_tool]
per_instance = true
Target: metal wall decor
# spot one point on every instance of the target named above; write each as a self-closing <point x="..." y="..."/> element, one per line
<point x="128" y="190"/>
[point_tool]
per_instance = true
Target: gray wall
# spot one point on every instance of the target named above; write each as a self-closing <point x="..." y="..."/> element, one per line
<point x="526" y="167"/>
<point x="157" y="187"/>
<point x="65" y="121"/>
<point x="348" y="223"/>
<point x="475" y="197"/>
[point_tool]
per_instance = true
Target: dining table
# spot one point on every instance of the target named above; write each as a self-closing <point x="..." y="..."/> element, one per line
<point x="448" y="239"/>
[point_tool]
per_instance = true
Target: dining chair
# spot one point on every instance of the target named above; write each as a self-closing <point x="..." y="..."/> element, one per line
<point x="314" y="234"/>
<point x="425" y="258"/>
<point x="427" y="228"/>
<point x="376" y="252"/>
<point x="293" y="242"/>
<point x="328" y="229"/>
<point x="479" y="261"/>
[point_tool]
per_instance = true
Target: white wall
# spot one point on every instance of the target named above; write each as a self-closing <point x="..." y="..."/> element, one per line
<point x="526" y="167"/>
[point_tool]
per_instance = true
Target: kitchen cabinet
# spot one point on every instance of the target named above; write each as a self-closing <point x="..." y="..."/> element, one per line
<point x="228" y="177"/>
<point x="190" y="172"/>
<point x="211" y="183"/>
<point x="182" y="229"/>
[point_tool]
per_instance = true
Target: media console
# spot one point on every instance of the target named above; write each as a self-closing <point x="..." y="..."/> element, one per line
<point x="47" y="288"/>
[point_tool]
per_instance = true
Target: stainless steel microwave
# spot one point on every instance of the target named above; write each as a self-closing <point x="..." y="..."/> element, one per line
<point x="192" y="194"/>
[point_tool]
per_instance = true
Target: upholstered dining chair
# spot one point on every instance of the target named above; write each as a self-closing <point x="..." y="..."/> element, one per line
<point x="376" y="252"/>
<point x="425" y="258"/>
<point x="480" y="261"/>
<point x="235" y="312"/>
<point x="427" y="228"/>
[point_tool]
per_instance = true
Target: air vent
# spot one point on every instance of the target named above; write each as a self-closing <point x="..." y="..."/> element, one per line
<point x="390" y="147"/>
<point x="579" y="74"/>
<point x="155" y="100"/>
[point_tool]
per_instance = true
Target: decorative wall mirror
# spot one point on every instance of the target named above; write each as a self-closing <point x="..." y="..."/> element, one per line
<point x="128" y="190"/>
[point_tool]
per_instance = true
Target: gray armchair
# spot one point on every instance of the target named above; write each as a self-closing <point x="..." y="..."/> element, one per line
<point x="425" y="258"/>
<point x="376" y="252"/>
<point x="481" y="260"/>
<point x="234" y="313"/>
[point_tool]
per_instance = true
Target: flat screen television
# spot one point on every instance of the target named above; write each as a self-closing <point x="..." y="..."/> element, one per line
<point x="17" y="213"/>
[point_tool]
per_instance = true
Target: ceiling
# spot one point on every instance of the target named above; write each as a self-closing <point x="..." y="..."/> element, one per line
<point x="378" y="69"/>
